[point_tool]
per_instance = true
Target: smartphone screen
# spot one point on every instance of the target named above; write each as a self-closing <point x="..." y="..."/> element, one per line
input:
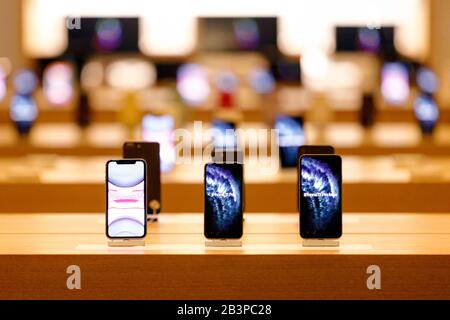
<point x="320" y="196"/>
<point x="160" y="128"/>
<point x="149" y="151"/>
<point x="126" y="199"/>
<point x="23" y="112"/>
<point x="427" y="80"/>
<point x="223" y="200"/>
<point x="291" y="136"/>
<point x="224" y="134"/>
<point x="426" y="112"/>
<point x="395" y="87"/>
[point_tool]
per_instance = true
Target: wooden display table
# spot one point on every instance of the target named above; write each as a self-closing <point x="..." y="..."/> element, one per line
<point x="108" y="138"/>
<point x="411" y="250"/>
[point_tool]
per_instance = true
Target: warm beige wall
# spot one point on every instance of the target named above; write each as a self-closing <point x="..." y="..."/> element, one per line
<point x="10" y="32"/>
<point x="440" y="46"/>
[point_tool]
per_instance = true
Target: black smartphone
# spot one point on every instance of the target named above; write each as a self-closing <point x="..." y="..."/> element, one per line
<point x="291" y="136"/>
<point x="224" y="134"/>
<point x="149" y="151"/>
<point x="126" y="199"/>
<point x="320" y="196"/>
<point x="223" y="183"/>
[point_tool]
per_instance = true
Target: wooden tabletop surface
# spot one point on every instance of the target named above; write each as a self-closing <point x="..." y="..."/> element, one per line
<point x="364" y="234"/>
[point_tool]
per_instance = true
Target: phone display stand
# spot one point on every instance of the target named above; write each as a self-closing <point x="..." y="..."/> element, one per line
<point x="223" y="243"/>
<point x="320" y="243"/>
<point x="154" y="206"/>
<point x="126" y="242"/>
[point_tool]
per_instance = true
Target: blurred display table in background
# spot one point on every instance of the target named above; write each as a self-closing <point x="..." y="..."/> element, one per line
<point x="107" y="139"/>
<point x="253" y="114"/>
<point x="401" y="183"/>
<point x="412" y="251"/>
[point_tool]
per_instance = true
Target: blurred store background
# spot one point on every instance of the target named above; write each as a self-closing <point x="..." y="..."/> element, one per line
<point x="78" y="78"/>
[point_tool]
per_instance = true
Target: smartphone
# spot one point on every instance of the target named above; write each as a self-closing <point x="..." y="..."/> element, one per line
<point x="320" y="196"/>
<point x="291" y="136"/>
<point x="160" y="128"/>
<point x="223" y="200"/>
<point x="126" y="199"/>
<point x="224" y="134"/>
<point x="426" y="112"/>
<point x="149" y="151"/>
<point x="23" y="112"/>
<point x="395" y="87"/>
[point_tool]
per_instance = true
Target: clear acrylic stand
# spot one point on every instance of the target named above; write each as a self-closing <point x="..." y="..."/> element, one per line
<point x="320" y="243"/>
<point x="223" y="243"/>
<point x="126" y="242"/>
<point x="154" y="205"/>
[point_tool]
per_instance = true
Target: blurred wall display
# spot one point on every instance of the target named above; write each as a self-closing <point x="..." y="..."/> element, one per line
<point x="395" y="87"/>
<point x="377" y="40"/>
<point x="301" y="24"/>
<point x="238" y="34"/>
<point x="104" y="35"/>
<point x="159" y="128"/>
<point x="58" y="83"/>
